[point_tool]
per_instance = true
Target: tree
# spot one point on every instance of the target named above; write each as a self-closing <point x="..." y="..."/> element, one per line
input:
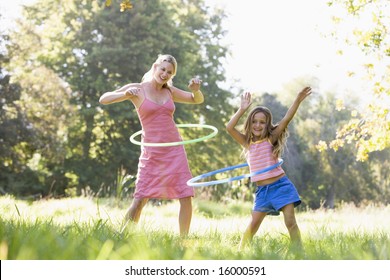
<point x="323" y="176"/>
<point x="124" y="5"/>
<point x="19" y="137"/>
<point x="366" y="24"/>
<point x="94" y="49"/>
<point x="14" y="130"/>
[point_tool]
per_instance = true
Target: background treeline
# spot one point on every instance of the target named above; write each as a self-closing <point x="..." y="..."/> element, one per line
<point x="57" y="140"/>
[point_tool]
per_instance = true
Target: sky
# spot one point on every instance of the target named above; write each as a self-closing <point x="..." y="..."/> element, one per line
<point x="274" y="42"/>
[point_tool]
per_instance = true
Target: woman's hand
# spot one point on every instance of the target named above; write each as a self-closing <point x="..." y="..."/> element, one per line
<point x="194" y="84"/>
<point x="132" y="91"/>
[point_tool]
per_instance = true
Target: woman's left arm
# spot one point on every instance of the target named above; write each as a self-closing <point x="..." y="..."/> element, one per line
<point x="193" y="97"/>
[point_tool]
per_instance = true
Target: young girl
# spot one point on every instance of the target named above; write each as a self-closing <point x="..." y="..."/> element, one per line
<point x="263" y="143"/>
<point x="163" y="172"/>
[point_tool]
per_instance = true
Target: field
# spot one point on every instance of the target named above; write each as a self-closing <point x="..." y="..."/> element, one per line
<point x="88" y="229"/>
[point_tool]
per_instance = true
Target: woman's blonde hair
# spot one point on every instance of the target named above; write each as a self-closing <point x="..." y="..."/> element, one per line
<point x="278" y="146"/>
<point x="148" y="76"/>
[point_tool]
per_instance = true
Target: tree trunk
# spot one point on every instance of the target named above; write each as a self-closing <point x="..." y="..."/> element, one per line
<point x="330" y="196"/>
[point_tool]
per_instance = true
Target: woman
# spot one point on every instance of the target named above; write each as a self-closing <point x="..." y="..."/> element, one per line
<point x="163" y="172"/>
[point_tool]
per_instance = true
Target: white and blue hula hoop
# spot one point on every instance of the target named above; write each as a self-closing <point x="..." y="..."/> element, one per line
<point x="193" y="182"/>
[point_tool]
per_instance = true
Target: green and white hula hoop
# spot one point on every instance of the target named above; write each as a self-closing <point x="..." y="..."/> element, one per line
<point x="167" y="144"/>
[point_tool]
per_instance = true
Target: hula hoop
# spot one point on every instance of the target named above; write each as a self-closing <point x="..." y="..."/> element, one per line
<point x="212" y="134"/>
<point x="193" y="182"/>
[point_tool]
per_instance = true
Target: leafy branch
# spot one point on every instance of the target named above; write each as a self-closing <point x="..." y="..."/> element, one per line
<point x="124" y="5"/>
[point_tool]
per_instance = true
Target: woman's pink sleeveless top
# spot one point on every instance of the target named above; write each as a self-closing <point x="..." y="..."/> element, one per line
<point x="163" y="172"/>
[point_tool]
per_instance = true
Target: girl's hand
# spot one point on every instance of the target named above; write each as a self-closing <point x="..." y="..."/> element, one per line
<point x="245" y="101"/>
<point x="194" y="84"/>
<point x="132" y="91"/>
<point x="303" y="94"/>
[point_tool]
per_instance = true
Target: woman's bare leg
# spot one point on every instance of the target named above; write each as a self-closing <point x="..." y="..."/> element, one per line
<point x="134" y="212"/>
<point x="185" y="215"/>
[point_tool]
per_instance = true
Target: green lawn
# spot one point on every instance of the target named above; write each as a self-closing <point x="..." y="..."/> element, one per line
<point x="87" y="229"/>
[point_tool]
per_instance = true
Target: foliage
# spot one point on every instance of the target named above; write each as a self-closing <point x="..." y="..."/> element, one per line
<point x="124" y="5"/>
<point x="339" y="177"/>
<point x="94" y="49"/>
<point x="325" y="177"/>
<point x="17" y="135"/>
<point x="57" y="140"/>
<point x="44" y="112"/>
<point x="366" y="24"/>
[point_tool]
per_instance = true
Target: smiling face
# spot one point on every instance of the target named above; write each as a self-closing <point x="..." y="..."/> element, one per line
<point x="259" y="126"/>
<point x="163" y="72"/>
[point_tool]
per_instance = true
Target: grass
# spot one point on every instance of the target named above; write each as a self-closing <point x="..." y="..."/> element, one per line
<point x="87" y="229"/>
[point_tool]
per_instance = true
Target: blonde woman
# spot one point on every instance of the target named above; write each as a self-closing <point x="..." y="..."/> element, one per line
<point x="163" y="172"/>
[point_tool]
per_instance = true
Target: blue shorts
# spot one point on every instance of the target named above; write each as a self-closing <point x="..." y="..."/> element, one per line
<point x="273" y="197"/>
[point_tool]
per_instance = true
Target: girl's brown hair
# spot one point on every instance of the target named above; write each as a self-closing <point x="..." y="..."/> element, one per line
<point x="279" y="145"/>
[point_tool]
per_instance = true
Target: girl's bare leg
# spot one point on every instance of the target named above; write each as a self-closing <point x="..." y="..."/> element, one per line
<point x="257" y="219"/>
<point x="292" y="227"/>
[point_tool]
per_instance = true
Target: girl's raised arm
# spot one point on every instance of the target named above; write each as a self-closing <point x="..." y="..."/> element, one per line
<point x="290" y="113"/>
<point x="231" y="126"/>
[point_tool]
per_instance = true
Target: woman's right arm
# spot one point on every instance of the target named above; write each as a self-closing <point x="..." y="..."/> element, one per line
<point x="127" y="92"/>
